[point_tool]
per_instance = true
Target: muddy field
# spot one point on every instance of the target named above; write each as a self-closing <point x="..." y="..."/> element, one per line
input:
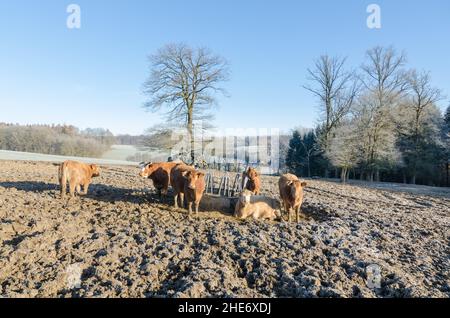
<point x="120" y="241"/>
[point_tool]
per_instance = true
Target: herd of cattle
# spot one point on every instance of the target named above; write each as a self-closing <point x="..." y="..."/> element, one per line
<point x="188" y="186"/>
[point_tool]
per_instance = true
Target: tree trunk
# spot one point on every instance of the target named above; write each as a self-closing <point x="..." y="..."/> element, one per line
<point x="309" y="168"/>
<point x="370" y="176"/>
<point x="190" y="127"/>
<point x="416" y="148"/>
<point x="447" y="169"/>
<point x="344" y="175"/>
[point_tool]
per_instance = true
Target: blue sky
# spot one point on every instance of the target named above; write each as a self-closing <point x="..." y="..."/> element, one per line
<point x="92" y="77"/>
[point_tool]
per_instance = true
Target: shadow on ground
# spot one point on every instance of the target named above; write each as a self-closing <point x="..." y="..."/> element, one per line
<point x="29" y="186"/>
<point x="317" y="213"/>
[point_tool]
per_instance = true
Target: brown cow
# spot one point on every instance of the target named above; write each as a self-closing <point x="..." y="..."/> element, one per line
<point x="77" y="174"/>
<point x="291" y="192"/>
<point x="187" y="182"/>
<point x="256" y="207"/>
<point x="159" y="172"/>
<point x="253" y="181"/>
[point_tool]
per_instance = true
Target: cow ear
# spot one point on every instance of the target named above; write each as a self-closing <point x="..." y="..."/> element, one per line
<point x="142" y="165"/>
<point x="184" y="173"/>
<point x="200" y="174"/>
<point x="289" y="183"/>
<point x="304" y="184"/>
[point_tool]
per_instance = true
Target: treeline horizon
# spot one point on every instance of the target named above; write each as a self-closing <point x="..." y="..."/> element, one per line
<point x="55" y="139"/>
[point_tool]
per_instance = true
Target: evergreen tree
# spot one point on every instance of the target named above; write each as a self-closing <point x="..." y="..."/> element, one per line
<point x="304" y="157"/>
<point x="293" y="159"/>
<point x="447" y="117"/>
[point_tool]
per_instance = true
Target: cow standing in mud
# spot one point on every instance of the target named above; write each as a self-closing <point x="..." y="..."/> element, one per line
<point x="160" y="175"/>
<point x="77" y="174"/>
<point x="291" y="192"/>
<point x="187" y="183"/>
<point x="253" y="183"/>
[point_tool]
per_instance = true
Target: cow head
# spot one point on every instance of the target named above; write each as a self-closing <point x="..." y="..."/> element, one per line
<point x="251" y="173"/>
<point x="278" y="215"/>
<point x="191" y="177"/>
<point x="296" y="188"/>
<point x="146" y="169"/>
<point x="95" y="170"/>
<point x="245" y="197"/>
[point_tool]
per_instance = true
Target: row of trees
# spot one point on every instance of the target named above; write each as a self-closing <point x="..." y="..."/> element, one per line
<point x="378" y="123"/>
<point x="63" y="140"/>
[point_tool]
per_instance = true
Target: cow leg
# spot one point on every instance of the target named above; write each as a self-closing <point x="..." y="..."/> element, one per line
<point x="63" y="188"/>
<point x="182" y="203"/>
<point x="163" y="195"/>
<point x="289" y="213"/>
<point x="196" y="207"/>
<point x="72" y="188"/>
<point x="283" y="209"/>
<point x="189" y="208"/>
<point x="165" y="189"/>
<point x="297" y="211"/>
<point x="85" y="189"/>
<point x="176" y="200"/>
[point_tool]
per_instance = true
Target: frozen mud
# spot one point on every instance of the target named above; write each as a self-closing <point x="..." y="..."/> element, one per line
<point x="121" y="241"/>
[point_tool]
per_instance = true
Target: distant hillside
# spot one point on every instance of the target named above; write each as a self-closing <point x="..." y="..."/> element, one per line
<point x="65" y="140"/>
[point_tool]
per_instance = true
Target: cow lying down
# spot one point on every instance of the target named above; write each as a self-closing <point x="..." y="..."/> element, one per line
<point x="257" y="207"/>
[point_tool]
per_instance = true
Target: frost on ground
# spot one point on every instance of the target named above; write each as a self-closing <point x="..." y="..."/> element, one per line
<point x="120" y="241"/>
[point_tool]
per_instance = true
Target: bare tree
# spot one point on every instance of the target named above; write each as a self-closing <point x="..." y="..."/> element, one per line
<point x="344" y="151"/>
<point x="184" y="81"/>
<point x="376" y="129"/>
<point x="336" y="89"/>
<point x="417" y="112"/>
<point x="385" y="84"/>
